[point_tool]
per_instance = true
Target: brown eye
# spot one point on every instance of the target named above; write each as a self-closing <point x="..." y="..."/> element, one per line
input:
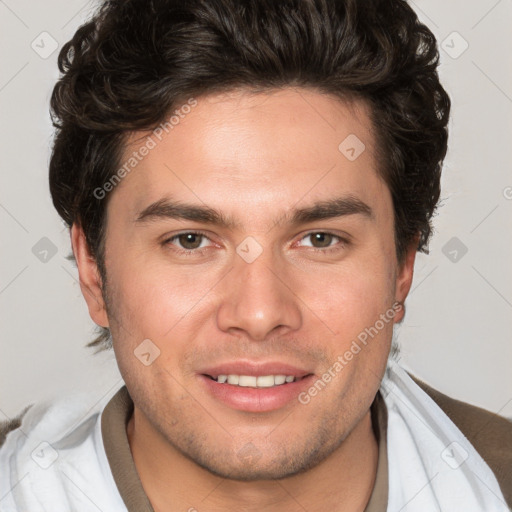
<point x="324" y="242"/>
<point x="189" y="243"/>
<point x="190" y="240"/>
<point x="321" y="240"/>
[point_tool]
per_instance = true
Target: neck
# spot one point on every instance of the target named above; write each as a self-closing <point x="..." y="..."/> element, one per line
<point x="343" y="481"/>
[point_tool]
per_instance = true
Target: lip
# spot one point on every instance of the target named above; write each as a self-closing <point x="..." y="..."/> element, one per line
<point x="255" y="399"/>
<point x="245" y="367"/>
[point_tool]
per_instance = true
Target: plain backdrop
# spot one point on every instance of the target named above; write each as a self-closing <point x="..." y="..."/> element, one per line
<point x="456" y="334"/>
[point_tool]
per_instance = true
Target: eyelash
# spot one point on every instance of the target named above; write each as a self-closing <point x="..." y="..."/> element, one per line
<point x="343" y="242"/>
<point x="186" y="252"/>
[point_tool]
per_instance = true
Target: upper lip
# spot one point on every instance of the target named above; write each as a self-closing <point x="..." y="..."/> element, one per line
<point x="256" y="369"/>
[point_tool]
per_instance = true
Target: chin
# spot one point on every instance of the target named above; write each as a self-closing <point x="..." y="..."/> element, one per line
<point x="249" y="465"/>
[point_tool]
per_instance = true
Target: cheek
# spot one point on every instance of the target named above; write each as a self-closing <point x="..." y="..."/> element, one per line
<point x="155" y="299"/>
<point x="350" y="297"/>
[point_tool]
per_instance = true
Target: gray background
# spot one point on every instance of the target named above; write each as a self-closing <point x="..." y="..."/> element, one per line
<point x="456" y="334"/>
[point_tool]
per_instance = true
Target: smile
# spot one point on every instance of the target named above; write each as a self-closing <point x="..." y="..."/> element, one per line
<point x="251" y="381"/>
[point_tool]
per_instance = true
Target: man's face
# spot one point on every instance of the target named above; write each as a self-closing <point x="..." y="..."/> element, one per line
<point x="266" y="293"/>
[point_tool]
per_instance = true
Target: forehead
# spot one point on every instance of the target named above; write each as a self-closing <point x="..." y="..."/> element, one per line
<point x="270" y="150"/>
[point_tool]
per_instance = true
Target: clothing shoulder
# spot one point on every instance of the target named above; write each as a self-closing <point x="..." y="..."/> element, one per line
<point x="12" y="424"/>
<point x="489" y="433"/>
<point x="48" y="419"/>
<point x="52" y="458"/>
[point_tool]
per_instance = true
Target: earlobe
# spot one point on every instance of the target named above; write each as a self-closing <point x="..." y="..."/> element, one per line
<point x="89" y="276"/>
<point x="404" y="280"/>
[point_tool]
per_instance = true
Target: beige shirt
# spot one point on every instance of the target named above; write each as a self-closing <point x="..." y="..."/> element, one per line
<point x="113" y="427"/>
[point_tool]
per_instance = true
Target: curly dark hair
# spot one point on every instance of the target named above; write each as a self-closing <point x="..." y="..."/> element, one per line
<point x="135" y="61"/>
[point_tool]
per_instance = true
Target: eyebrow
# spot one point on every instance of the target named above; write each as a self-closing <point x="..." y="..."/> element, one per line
<point x="329" y="209"/>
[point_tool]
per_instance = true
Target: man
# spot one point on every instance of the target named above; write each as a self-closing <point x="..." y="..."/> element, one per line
<point x="246" y="186"/>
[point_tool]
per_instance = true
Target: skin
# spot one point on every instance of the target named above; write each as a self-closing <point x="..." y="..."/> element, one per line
<point x="254" y="157"/>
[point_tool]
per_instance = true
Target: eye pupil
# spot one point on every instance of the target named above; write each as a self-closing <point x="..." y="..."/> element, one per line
<point x="324" y="239"/>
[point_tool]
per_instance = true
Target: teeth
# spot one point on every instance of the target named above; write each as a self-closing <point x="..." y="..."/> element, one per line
<point x="247" y="381"/>
<point x="280" y="379"/>
<point x="233" y="379"/>
<point x="264" y="381"/>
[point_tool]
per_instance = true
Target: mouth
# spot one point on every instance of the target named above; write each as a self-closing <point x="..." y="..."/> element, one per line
<point x="255" y="387"/>
<point x="256" y="381"/>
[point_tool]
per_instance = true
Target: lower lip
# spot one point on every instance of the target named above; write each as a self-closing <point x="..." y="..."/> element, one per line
<point x="256" y="399"/>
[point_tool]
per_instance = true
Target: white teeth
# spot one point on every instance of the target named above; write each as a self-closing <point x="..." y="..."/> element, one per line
<point x="280" y="379"/>
<point x="263" y="381"/>
<point x="233" y="379"/>
<point x="247" y="381"/>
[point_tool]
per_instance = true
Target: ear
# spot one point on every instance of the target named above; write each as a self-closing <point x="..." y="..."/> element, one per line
<point x="404" y="278"/>
<point x="89" y="276"/>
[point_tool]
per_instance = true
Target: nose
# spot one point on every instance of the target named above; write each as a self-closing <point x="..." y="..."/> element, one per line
<point x="258" y="300"/>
